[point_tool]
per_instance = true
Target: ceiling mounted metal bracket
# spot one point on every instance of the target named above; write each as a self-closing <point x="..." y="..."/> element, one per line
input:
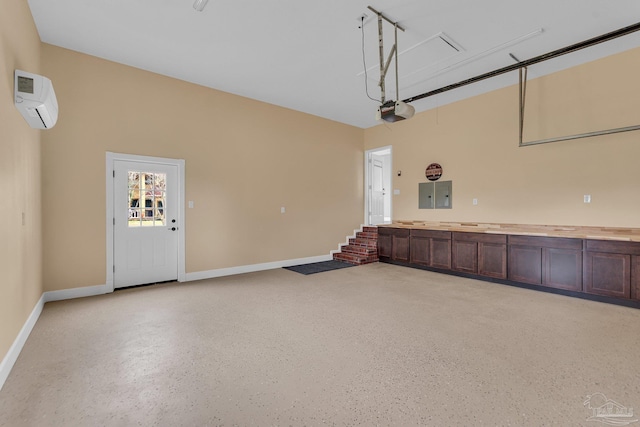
<point x="522" y="74"/>
<point x="528" y="62"/>
<point x="581" y="135"/>
<point x="523" y="91"/>
<point x="380" y="14"/>
<point x="393" y="54"/>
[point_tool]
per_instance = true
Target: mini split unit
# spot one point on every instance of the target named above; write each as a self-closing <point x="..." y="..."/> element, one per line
<point x="36" y="100"/>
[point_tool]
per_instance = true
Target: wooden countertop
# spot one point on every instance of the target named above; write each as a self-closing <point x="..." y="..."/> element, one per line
<point x="575" y="232"/>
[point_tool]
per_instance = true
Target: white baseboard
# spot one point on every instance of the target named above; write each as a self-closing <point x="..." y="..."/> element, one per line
<point x="65" y="294"/>
<point x="220" y="272"/>
<point x="12" y="355"/>
<point x="15" y="349"/>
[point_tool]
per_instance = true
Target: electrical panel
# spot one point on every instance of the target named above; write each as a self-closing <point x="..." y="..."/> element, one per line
<point x="426" y="198"/>
<point x="435" y="195"/>
<point x="443" y="194"/>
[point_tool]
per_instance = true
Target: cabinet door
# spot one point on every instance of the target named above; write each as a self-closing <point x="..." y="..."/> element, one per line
<point x="384" y="245"/>
<point x="635" y="278"/>
<point x="400" y="248"/>
<point x="607" y="274"/>
<point x="440" y="253"/>
<point x="419" y="251"/>
<point x="562" y="268"/>
<point x="465" y="256"/>
<point x="492" y="260"/>
<point x="525" y="264"/>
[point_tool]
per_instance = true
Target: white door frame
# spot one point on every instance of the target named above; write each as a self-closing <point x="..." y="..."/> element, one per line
<point x="367" y="181"/>
<point x="111" y="158"/>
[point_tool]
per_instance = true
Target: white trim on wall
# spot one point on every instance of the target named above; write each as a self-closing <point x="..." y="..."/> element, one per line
<point x="346" y="241"/>
<point x="110" y="158"/>
<point x="230" y="271"/>
<point x="14" y="351"/>
<point x="72" y="293"/>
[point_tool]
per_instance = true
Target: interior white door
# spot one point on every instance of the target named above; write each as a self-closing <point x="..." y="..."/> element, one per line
<point x="377" y="191"/>
<point x="145" y="237"/>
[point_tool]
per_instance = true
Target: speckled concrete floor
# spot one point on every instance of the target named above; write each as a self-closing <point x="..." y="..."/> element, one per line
<point x="372" y="345"/>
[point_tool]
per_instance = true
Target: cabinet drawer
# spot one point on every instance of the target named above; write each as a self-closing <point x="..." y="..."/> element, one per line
<point x="546" y="242"/>
<point x="480" y="237"/>
<point x="390" y="231"/>
<point x="629" y="248"/>
<point x="438" y="234"/>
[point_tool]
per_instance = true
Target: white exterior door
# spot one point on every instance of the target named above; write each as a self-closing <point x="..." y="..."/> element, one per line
<point x="145" y="226"/>
<point x="377" y="191"/>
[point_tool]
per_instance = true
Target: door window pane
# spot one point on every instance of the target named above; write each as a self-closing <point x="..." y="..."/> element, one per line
<point x="146" y="203"/>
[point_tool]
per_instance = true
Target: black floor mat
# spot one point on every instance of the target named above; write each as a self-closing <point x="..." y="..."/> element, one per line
<point x="319" y="267"/>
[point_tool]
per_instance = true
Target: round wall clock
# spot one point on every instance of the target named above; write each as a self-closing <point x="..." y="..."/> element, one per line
<point x="433" y="172"/>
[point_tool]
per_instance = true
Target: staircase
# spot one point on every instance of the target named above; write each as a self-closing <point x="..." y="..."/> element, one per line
<point x="361" y="250"/>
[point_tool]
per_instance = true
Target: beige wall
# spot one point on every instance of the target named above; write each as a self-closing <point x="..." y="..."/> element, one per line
<point x="476" y="142"/>
<point x="244" y="160"/>
<point x="20" y="244"/>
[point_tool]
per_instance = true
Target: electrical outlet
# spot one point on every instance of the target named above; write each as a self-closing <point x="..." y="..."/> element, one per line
<point x="587" y="198"/>
<point x="282" y="210"/>
<point x="475" y="201"/>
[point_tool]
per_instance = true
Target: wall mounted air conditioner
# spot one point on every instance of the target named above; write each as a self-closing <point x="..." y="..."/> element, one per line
<point x="36" y="100"/>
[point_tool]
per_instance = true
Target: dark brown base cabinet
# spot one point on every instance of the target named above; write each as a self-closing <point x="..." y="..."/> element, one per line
<point x="431" y="248"/>
<point x="599" y="267"/>
<point x="479" y="253"/>
<point x="393" y="243"/>
<point x="555" y="262"/>
<point x="635" y="273"/>
<point x="611" y="268"/>
<point x="384" y="243"/>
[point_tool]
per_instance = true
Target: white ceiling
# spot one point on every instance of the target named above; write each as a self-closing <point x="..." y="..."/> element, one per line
<point x="307" y="56"/>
